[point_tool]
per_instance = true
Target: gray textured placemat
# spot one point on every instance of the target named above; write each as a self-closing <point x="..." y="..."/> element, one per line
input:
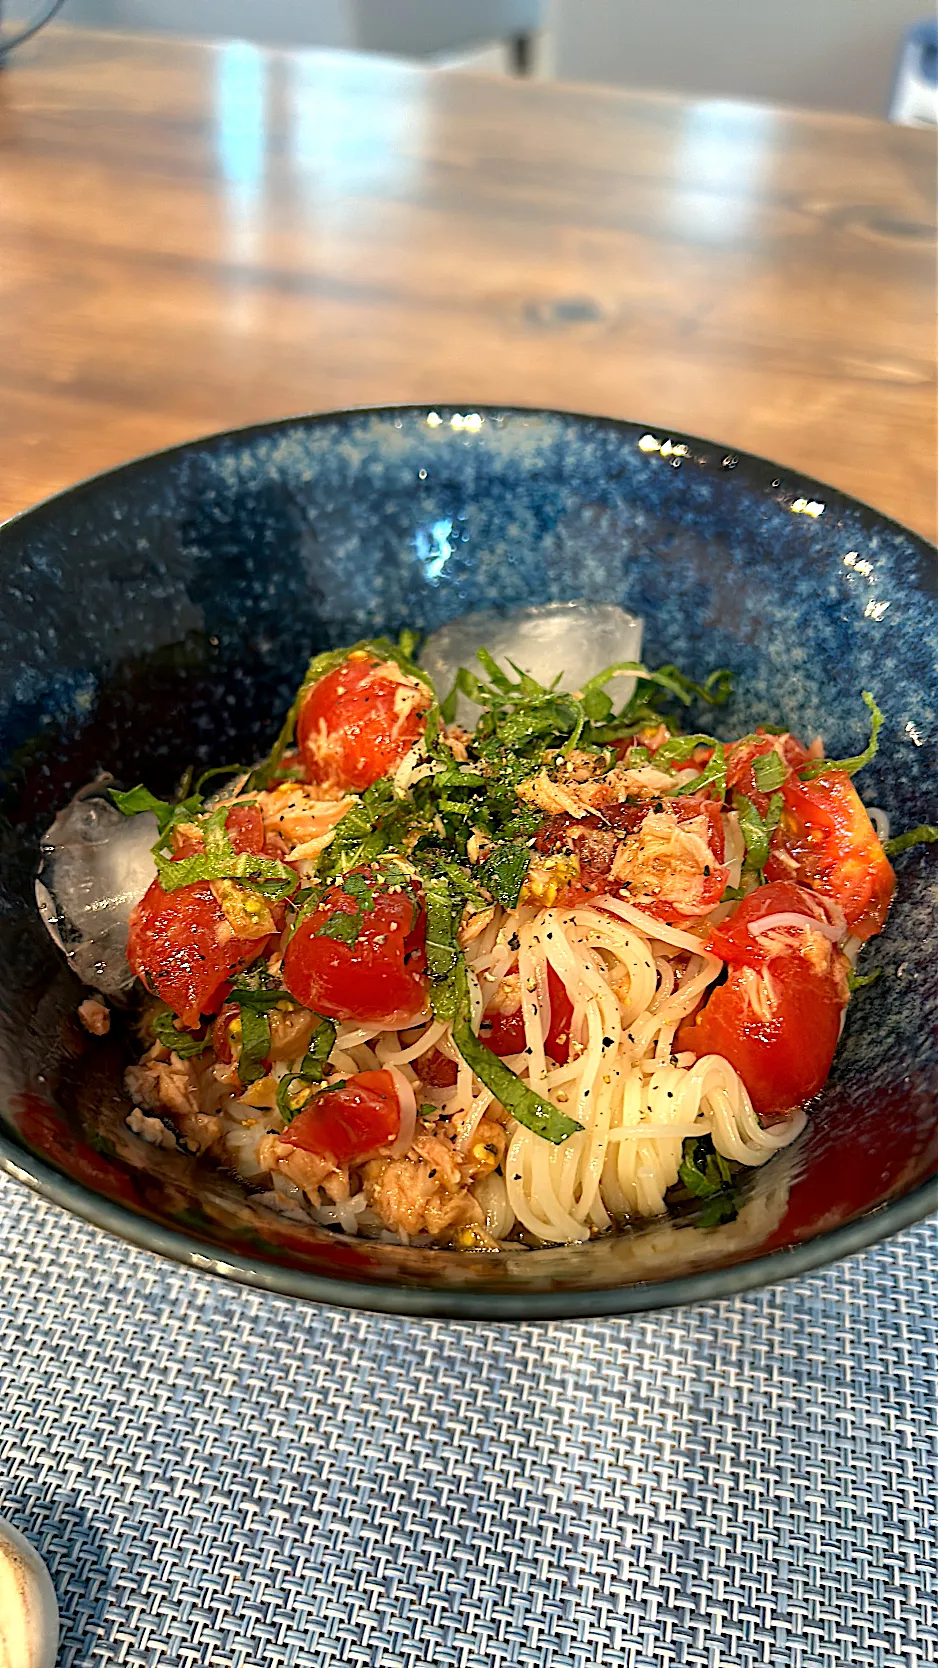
<point x="223" y="1478"/>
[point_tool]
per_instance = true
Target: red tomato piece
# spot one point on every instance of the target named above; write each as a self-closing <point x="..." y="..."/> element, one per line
<point x="777" y="1018"/>
<point x="180" y="944"/>
<point x="436" y="1069"/>
<point x="734" y="942"/>
<point x="379" y="977"/>
<point x="504" y="1033"/>
<point x="825" y="840"/>
<point x="358" y="722"/>
<point x="244" y="826"/>
<point x="349" y="1122"/>
<point x="739" y="764"/>
<point x="221" y="1031"/>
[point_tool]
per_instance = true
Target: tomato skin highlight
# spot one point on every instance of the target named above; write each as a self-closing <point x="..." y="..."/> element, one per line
<point x="783" y="1058"/>
<point x="180" y="944"/>
<point x="351" y="731"/>
<point x="379" y="977"/>
<point x="504" y="1033"/>
<point x="826" y="841"/>
<point x="349" y="1122"/>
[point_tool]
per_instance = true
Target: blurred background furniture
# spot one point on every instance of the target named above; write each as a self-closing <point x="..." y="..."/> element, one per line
<point x="202" y="235"/>
<point x="865" y="56"/>
<point x="403" y="28"/>
<point x="819" y="54"/>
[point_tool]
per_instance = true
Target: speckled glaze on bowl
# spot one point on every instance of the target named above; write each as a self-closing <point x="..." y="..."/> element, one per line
<point x="161" y="615"/>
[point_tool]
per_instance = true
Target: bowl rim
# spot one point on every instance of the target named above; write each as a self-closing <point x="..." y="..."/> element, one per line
<point x="243" y="431"/>
<point x="483" y="1302"/>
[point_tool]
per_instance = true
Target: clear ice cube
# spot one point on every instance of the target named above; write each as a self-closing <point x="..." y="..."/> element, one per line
<point x="96" y="864"/>
<point x="575" y="639"/>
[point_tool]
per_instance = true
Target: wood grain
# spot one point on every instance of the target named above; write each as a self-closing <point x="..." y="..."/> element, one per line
<point x="195" y="236"/>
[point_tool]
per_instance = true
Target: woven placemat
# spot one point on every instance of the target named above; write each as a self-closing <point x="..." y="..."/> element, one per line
<point x="219" y="1477"/>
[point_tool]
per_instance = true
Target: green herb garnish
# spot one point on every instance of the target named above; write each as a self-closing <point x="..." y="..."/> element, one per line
<point x="713" y="775"/>
<point x="850" y="766"/>
<point x="924" y="835"/>
<point x="707" y="1175"/>
<point x="442" y="947"/>
<point x="520" y="1102"/>
<point x="167" y="814"/>
<point x="769" y="772"/>
<point x="183" y="1043"/>
<point x="312" y="1069"/>
<point x="220" y="861"/>
<point x="703" y="1171"/>
<point x="504" y="871"/>
<point x="679" y="749"/>
<point x="255" y="994"/>
<point x="757" y="831"/>
<point x="857" y="981"/>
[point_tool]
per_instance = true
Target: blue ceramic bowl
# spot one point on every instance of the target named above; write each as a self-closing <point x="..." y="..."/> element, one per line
<point x="162" y="614"/>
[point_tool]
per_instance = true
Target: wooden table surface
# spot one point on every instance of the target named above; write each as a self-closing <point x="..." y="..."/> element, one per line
<point x="195" y="236"/>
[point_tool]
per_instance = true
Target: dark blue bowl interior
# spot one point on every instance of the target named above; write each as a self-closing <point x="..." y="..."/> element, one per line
<point x="161" y="616"/>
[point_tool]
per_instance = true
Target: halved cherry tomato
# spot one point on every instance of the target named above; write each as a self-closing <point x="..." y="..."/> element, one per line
<point x="358" y="722"/>
<point x="379" y="977"/>
<point x="349" y="1122"/>
<point x="825" y="840"/>
<point x="180" y="943"/>
<point x="504" y="1033"/>
<point x="739" y="764"/>
<point x="777" y="1018"/>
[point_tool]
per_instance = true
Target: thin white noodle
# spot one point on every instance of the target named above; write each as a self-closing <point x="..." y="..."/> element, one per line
<point x="403" y="1056"/>
<point x="471" y="1122"/>
<point x="351" y="1036"/>
<point x="533" y="976"/>
<point x="789" y="918"/>
<point x="656" y="930"/>
<point x="735" y="849"/>
<point x="880" y="821"/>
<point x="636" y="1105"/>
<point x="408" y="1108"/>
<point x="657" y="1132"/>
<point x="631" y="980"/>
